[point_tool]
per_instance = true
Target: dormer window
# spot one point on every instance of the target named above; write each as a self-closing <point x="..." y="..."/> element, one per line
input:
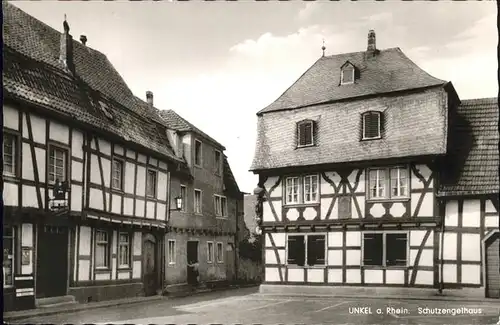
<point x="305" y="133"/>
<point x="372" y="125"/>
<point x="347" y="74"/>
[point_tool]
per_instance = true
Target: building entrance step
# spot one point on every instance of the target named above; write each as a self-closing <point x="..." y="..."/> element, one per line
<point x="55" y="301"/>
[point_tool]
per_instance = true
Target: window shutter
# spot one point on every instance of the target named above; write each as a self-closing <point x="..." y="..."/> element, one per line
<point x="315" y="132"/>
<point x="372" y="249"/>
<point x="308" y="132"/>
<point x="301" y="134"/>
<point x="296" y="250"/>
<point x="315" y="250"/>
<point x="382" y="123"/>
<point x="344" y="207"/>
<point x="396" y="255"/>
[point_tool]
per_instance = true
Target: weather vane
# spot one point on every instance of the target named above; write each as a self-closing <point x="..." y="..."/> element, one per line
<point x="323" y="47"/>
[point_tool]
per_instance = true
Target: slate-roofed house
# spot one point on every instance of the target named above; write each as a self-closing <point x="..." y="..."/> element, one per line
<point x="206" y="229"/>
<point x="367" y="151"/>
<point x="86" y="175"/>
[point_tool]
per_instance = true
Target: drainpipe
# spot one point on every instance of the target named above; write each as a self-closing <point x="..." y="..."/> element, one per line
<point x="441" y="266"/>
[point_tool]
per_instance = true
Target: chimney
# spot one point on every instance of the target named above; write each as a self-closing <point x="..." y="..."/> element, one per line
<point x="66" y="52"/>
<point x="83" y="39"/>
<point x="149" y="98"/>
<point x="371" y="41"/>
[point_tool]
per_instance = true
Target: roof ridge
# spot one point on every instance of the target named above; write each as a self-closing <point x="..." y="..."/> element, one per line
<point x="357" y="52"/>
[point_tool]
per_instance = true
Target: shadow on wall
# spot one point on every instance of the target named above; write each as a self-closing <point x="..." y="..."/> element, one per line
<point x="249" y="271"/>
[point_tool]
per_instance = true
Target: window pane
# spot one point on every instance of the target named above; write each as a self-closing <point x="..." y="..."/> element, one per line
<point x="296" y="250"/>
<point x="316" y="250"/>
<point x="347" y="75"/>
<point x="396" y="245"/>
<point x="8" y="257"/>
<point x="373" y="249"/>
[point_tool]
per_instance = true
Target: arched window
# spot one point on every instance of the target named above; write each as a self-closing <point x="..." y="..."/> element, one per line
<point x="371" y="125"/>
<point x="305" y="133"/>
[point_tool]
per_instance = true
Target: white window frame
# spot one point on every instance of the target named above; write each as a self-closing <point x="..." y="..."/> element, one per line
<point x="14" y="153"/>
<point x="310" y="187"/>
<point x="171" y="255"/>
<point x="200" y="162"/>
<point x="113" y="174"/>
<point x="294" y="185"/>
<point x="299" y="124"/>
<point x="220" y="259"/>
<point x="342" y="82"/>
<point x="365" y="115"/>
<point x="210" y="257"/>
<point x="220" y="202"/>
<point x="198" y="209"/>
<point x="384" y="248"/>
<point x="107" y="251"/>
<point x="128" y="245"/>
<point x="52" y="162"/>
<point x="12" y="257"/>
<point x="306" y="248"/>
<point x="218" y="165"/>
<point x="398" y="195"/>
<point x="155" y="188"/>
<point x="183" y="193"/>
<point x="388" y="183"/>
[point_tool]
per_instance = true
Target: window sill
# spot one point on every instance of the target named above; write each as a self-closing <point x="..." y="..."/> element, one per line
<point x="171" y="264"/>
<point x="382" y="200"/>
<point x="301" y="205"/>
<point x="117" y="190"/>
<point x="124" y="268"/>
<point x="102" y="269"/>
<point x="292" y="266"/>
<point x="153" y="197"/>
<point x="380" y="267"/>
<point x="305" y="146"/>
<point x="369" y="139"/>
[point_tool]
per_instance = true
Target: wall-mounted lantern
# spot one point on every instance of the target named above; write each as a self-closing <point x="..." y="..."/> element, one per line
<point x="178" y="203"/>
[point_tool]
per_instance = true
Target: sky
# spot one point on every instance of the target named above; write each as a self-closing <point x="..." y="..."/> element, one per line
<point x="218" y="63"/>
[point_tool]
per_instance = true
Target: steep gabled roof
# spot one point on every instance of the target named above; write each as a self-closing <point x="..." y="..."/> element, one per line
<point x="472" y="162"/>
<point x="230" y="184"/>
<point x="387" y="71"/>
<point x="178" y="123"/>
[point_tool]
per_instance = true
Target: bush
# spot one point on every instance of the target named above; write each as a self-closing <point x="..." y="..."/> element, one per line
<point x="251" y="248"/>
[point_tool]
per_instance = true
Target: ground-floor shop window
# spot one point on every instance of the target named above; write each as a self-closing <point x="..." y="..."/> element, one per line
<point x="306" y="250"/>
<point x="385" y="249"/>
<point x="8" y="256"/>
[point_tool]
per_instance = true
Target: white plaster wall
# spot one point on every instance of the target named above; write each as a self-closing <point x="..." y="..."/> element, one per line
<point x="451" y="214"/>
<point x="76" y="171"/>
<point x="123" y="275"/>
<point x="471" y="274"/>
<point x="450" y="273"/>
<point x="296" y="275"/>
<point x="374" y="276"/>
<point x="427" y="206"/>
<point x="315" y="275"/>
<point x="150" y="210"/>
<point x="59" y="132"/>
<point x="335" y="239"/>
<point x="136" y="270"/>
<point x="353" y="257"/>
<point x="40" y="162"/>
<point x="471" y="247"/>
<point x="395" y="276"/>
<point x="75" y="256"/>
<point x="292" y="214"/>
<point x="139" y="208"/>
<point x="106" y="169"/>
<point x="492" y="222"/>
<point x="10" y="117"/>
<point x="38" y="125"/>
<point x="130" y="153"/>
<point x="424" y="277"/>
<point x="424" y="171"/>
<point x="95" y="199"/>
<point x="141" y="181"/>
<point x="270" y="182"/>
<point x="161" y="211"/>
<point x="489" y="207"/>
<point x="29" y="196"/>
<point x="353" y="276"/>
<point x="84" y="245"/>
<point x="449" y="246"/>
<point x="279" y="239"/>
<point x="77" y="143"/>
<point x="129" y="178"/>
<point x="113" y="251"/>
<point x="325" y="205"/>
<point x="27" y="163"/>
<point x="10" y="194"/>
<point x="128" y="206"/>
<point x="271" y="257"/>
<point x="27" y="241"/>
<point x="153" y="161"/>
<point x="102" y="276"/>
<point x="105" y="147"/>
<point x="471" y="213"/>
<point x="116" y="204"/>
<point x="142" y="158"/>
<point x="162" y="186"/>
<point x="417" y="236"/>
<point x="76" y="198"/>
<point x="272" y="274"/>
<point x="335" y="257"/>
<point x="137" y="243"/>
<point x="163" y="165"/>
<point x="117" y="149"/>
<point x="83" y="270"/>
<point x="361" y="204"/>
<point x="334" y="276"/>
<point x="353" y="238"/>
<point x="95" y="173"/>
<point x="426" y="257"/>
<point x="268" y="213"/>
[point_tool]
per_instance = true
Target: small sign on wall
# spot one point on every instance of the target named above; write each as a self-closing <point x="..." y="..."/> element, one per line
<point x="26" y="256"/>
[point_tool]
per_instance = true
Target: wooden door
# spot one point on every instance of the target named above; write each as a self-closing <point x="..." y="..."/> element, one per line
<point x="192" y="257"/>
<point x="229" y="260"/>
<point x="149" y="266"/>
<point x="493" y="266"/>
<point x="52" y="261"/>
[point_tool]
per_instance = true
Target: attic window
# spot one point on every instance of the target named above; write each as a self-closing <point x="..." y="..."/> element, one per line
<point x="347" y="75"/>
<point x="371" y="125"/>
<point x="105" y="110"/>
<point x="305" y="133"/>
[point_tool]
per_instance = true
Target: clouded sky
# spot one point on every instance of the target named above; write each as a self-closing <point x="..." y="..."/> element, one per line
<point x="218" y="63"/>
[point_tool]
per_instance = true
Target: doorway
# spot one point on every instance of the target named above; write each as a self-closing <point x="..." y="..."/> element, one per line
<point x="492" y="245"/>
<point x="230" y="262"/>
<point x="52" y="261"/>
<point x="149" y="265"/>
<point x="192" y="258"/>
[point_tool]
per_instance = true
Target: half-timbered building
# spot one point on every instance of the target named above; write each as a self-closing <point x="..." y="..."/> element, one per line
<point x="86" y="172"/>
<point x="204" y="232"/>
<point x="374" y="173"/>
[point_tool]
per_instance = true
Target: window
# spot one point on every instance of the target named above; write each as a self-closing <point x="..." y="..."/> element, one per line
<point x="117" y="181"/>
<point x="395" y="179"/>
<point x="292" y="190"/>
<point x="197" y="153"/>
<point x="376" y="249"/>
<point x="8" y="256"/>
<point x="101" y="249"/>
<point x="151" y="184"/>
<point x="306" y="250"/>
<point x="57" y="164"/>
<point x="220" y="206"/>
<point x="184" y="197"/>
<point x="197" y="202"/>
<point x="219" y="253"/>
<point x="305" y="133"/>
<point x="347" y="75"/>
<point x="210" y="252"/>
<point x="311" y="188"/>
<point x="371" y="125"/>
<point x="171" y="251"/>
<point x="218" y="162"/>
<point x="124" y="250"/>
<point x="9" y="154"/>
<point x="302" y="190"/>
